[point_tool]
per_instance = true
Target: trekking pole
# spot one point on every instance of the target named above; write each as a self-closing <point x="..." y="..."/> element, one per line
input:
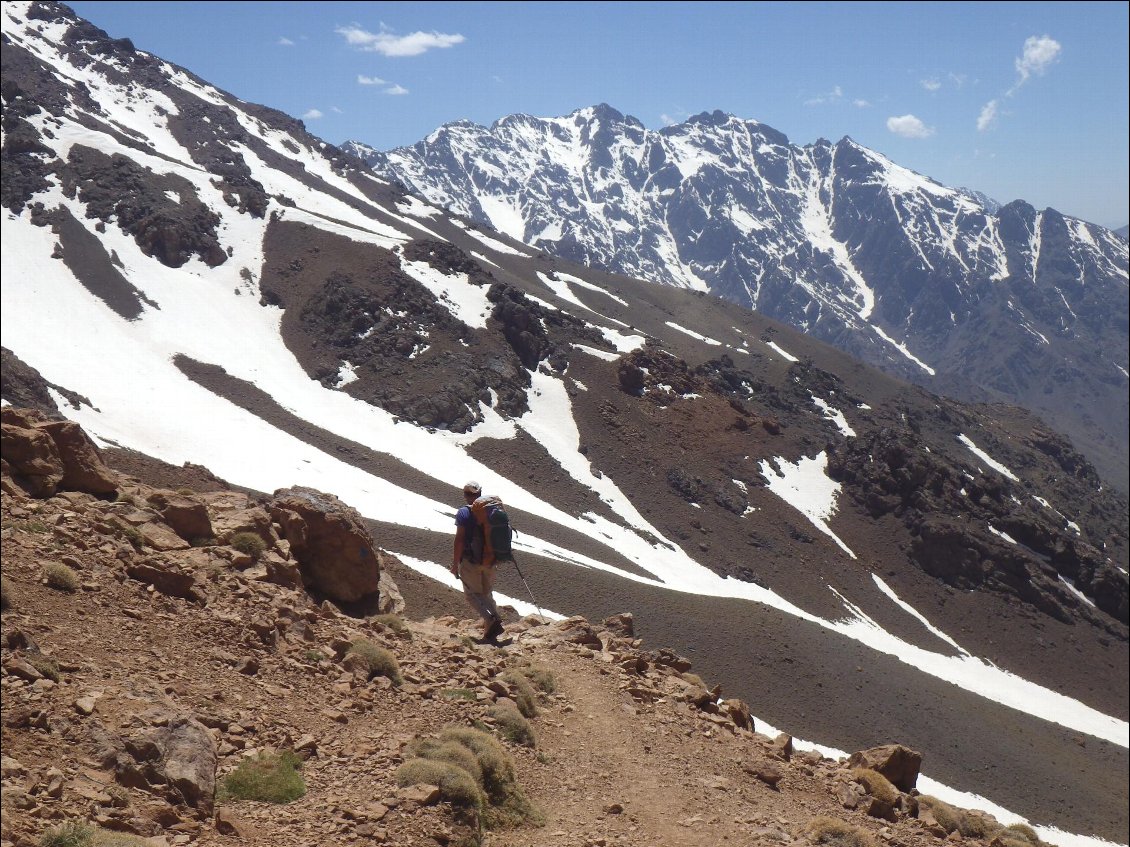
<point x="514" y="559"/>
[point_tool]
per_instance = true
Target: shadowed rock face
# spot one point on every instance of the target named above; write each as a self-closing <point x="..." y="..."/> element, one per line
<point x="337" y="554"/>
<point x="44" y="456"/>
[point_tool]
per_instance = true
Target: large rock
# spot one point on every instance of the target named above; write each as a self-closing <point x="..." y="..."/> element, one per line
<point x="336" y="553"/>
<point x="83" y="467"/>
<point x="231" y="512"/>
<point x="898" y="764"/>
<point x="33" y="459"/>
<point x="177" y="759"/>
<point x="186" y="516"/>
<point x="45" y="456"/>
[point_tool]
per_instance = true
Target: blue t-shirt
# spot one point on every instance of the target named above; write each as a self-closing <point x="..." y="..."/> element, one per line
<point x="465" y="519"/>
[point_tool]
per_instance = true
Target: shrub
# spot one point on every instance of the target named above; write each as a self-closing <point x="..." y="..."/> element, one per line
<point x="124" y="497"/>
<point x="68" y="834"/>
<point x="1022" y="830"/>
<point x="541" y="678"/>
<point x="524" y="694"/>
<point x="396" y="624"/>
<point x="381" y="662"/>
<point x="249" y="543"/>
<point x="877" y="785"/>
<point x="451" y="752"/>
<point x="76" y="833"/>
<point x="187" y="492"/>
<point x="456" y="786"/>
<point x="837" y="833"/>
<point x="46" y="666"/>
<point x="512" y="726"/>
<point x="60" y="577"/>
<point x="951" y="819"/>
<point x="267" y="777"/>
<point x="201" y="541"/>
<point x="508" y="805"/>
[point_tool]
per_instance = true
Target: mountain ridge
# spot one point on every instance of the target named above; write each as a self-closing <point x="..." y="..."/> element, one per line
<point x="944" y="287"/>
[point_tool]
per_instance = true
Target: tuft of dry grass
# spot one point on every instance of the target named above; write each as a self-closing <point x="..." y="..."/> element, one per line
<point x="837" y="833"/>
<point x="249" y="544"/>
<point x="524" y="694"/>
<point x="267" y="777"/>
<point x="512" y="725"/>
<point x="877" y="785"/>
<point x="379" y="660"/>
<point x="456" y="786"/>
<point x="60" y="577"/>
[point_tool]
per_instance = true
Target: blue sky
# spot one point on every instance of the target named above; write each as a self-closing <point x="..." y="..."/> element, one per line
<point x="1019" y="100"/>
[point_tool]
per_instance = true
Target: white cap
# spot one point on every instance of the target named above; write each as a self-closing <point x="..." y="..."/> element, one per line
<point x="472" y="487"/>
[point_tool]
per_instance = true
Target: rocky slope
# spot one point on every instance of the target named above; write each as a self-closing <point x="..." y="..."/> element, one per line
<point x="140" y="672"/>
<point x="198" y="280"/>
<point x="941" y="286"/>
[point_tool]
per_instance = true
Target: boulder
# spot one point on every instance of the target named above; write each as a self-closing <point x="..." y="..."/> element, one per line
<point x="392" y="601"/>
<point x="178" y="758"/>
<point x="83" y="467"/>
<point x="337" y="554"/>
<point x="32" y="458"/>
<point x="622" y="624"/>
<point x="186" y="516"/>
<point x="44" y="456"/>
<point x="898" y="764"/>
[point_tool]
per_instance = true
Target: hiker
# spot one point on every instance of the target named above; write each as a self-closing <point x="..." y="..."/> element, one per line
<point x="467" y="564"/>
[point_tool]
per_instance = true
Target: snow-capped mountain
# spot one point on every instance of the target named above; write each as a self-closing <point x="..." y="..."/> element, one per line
<point x="200" y="280"/>
<point x="941" y="286"/>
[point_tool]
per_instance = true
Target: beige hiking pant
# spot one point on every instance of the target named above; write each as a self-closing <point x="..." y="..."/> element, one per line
<point x="478" y="583"/>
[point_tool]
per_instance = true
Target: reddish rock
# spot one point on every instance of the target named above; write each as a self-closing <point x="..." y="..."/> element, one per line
<point x="83" y="467"/>
<point x="186" y="516"/>
<point x="337" y="555"/>
<point x="33" y="459"/>
<point x="898" y="764"/>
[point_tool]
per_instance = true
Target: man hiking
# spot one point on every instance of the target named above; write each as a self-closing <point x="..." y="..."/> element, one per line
<point x="467" y="564"/>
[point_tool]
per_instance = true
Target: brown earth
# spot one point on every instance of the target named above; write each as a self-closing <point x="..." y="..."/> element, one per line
<point x="628" y="752"/>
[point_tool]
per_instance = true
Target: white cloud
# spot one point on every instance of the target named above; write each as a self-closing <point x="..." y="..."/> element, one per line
<point x="389" y="44"/>
<point x="312" y="115"/>
<point x="957" y="79"/>
<point x="909" y="126"/>
<point x="931" y="84"/>
<point x="1040" y="52"/>
<point x="830" y="97"/>
<point x="397" y="90"/>
<point x="284" y="41"/>
<point x="369" y="80"/>
<point x="336" y="110"/>
<point x="861" y="104"/>
<point x="988" y="115"/>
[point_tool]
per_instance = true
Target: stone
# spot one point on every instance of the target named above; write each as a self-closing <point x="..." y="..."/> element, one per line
<point x="86" y="705"/>
<point x="167" y="581"/>
<point x="228" y="823"/>
<point x="738" y="712"/>
<point x="10" y="767"/>
<point x="83" y="468"/>
<point x="391" y="600"/>
<point x="422" y="794"/>
<point x="31" y="455"/>
<point x="765" y="770"/>
<point x="782" y="746"/>
<point x="338" y="556"/>
<point x="897" y="763"/>
<point x="622" y="624"/>
<point x="160" y="537"/>
<point x="186" y="516"/>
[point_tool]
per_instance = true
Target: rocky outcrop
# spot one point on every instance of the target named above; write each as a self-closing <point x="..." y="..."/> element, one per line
<point x="900" y="765"/>
<point x="176" y="758"/>
<point x="337" y="554"/>
<point x="43" y="456"/>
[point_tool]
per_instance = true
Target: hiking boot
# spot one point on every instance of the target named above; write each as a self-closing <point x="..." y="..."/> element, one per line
<point x="495" y="630"/>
